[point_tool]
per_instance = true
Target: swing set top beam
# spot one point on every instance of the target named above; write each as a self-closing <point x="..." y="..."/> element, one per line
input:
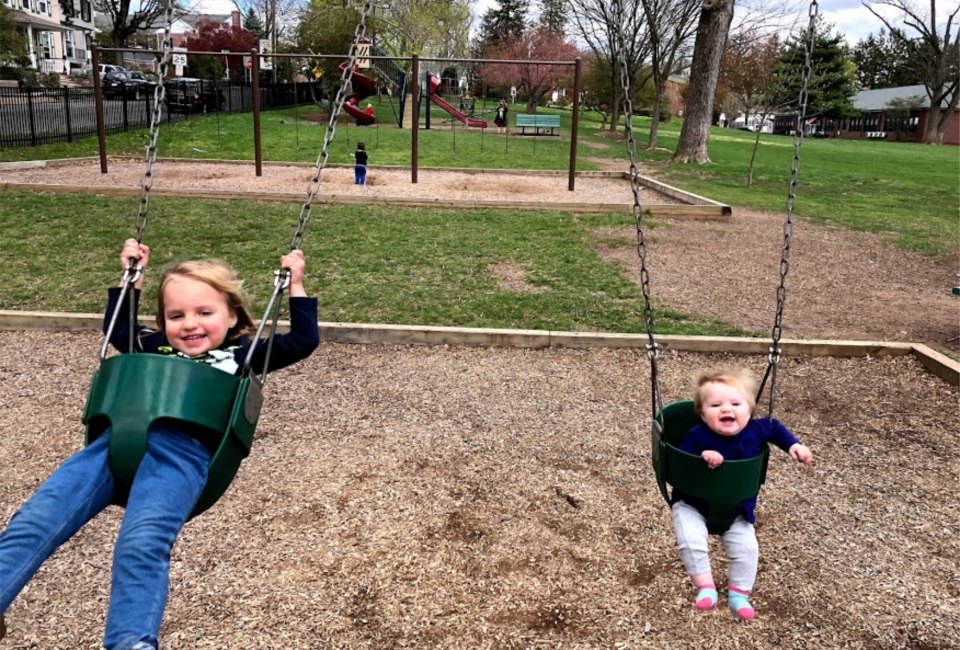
<point x="310" y="55"/>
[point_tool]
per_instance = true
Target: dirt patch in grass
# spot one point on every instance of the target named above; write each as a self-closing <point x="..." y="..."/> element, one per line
<point x="513" y="277"/>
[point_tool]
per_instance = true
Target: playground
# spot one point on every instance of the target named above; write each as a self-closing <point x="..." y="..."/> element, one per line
<point x="495" y="489"/>
<point x="495" y="497"/>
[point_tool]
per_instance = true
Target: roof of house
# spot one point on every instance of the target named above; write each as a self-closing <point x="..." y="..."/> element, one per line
<point x="877" y="100"/>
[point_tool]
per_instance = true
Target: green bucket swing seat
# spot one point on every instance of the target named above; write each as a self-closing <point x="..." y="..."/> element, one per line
<point x="132" y="391"/>
<point x="722" y="488"/>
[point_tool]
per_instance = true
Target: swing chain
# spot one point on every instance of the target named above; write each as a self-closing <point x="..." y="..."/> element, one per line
<point x="774" y="357"/>
<point x="159" y="93"/>
<point x="345" y="81"/>
<point x="653" y="348"/>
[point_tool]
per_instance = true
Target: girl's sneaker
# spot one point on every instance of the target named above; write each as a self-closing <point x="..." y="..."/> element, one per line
<point x="706" y="599"/>
<point x="740" y="604"/>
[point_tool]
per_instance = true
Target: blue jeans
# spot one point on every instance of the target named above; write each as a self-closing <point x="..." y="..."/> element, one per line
<point x="359" y="174"/>
<point x="165" y="489"/>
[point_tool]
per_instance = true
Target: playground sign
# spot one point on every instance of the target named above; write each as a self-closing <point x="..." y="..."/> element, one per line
<point x="179" y="59"/>
<point x="266" y="63"/>
<point x="363" y="51"/>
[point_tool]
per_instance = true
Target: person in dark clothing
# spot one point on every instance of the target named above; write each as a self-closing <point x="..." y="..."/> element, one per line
<point x="360" y="167"/>
<point x="202" y="316"/>
<point x="724" y="400"/>
<point x="500" y="117"/>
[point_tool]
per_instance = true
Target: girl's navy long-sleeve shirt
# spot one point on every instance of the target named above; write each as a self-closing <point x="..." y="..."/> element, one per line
<point x="750" y="442"/>
<point x="303" y="339"/>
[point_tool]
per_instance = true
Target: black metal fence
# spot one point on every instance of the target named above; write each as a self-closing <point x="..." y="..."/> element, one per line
<point x="34" y="116"/>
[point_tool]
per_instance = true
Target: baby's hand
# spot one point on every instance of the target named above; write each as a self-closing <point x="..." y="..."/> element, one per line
<point x="714" y="458"/>
<point x="296" y="263"/>
<point x="801" y="454"/>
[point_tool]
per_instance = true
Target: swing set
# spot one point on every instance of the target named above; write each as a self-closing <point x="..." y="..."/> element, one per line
<point x="725" y="487"/>
<point x="130" y="392"/>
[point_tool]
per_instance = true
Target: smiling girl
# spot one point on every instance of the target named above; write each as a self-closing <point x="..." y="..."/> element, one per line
<point x="724" y="400"/>
<point x="202" y="316"/>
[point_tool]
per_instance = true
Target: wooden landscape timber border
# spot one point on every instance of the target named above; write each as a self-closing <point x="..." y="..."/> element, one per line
<point x="376" y="334"/>
<point x="694" y="206"/>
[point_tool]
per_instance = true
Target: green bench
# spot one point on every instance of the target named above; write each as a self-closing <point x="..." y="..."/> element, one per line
<point x="539" y="124"/>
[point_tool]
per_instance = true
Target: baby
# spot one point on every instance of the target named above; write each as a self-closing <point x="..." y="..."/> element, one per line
<point x="725" y="402"/>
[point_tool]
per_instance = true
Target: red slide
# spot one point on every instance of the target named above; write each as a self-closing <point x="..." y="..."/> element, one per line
<point x="460" y="115"/>
<point x="363" y="87"/>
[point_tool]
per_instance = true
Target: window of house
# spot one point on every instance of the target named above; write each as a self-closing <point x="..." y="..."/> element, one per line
<point x="45" y="44"/>
<point x="43" y="7"/>
<point x="85" y="10"/>
<point x="68" y="44"/>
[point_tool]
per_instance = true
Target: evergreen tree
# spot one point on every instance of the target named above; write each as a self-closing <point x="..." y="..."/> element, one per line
<point x="553" y="16"/>
<point x="832" y="80"/>
<point x="253" y="24"/>
<point x="887" y="61"/>
<point x="506" y="23"/>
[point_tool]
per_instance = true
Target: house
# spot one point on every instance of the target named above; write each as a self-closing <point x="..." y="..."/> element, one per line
<point x="186" y="26"/>
<point x="58" y="32"/>
<point x="877" y="121"/>
<point x="751" y="122"/>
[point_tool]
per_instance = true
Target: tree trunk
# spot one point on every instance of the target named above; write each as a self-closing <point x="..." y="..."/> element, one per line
<point x="712" y="31"/>
<point x="655" y="116"/>
<point x="753" y="154"/>
<point x="937" y="120"/>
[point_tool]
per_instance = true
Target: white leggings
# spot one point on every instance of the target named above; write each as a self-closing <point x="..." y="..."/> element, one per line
<point x="740" y="541"/>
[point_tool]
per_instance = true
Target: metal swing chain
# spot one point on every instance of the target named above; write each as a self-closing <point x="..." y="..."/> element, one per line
<point x="282" y="276"/>
<point x="134" y="270"/>
<point x="773" y="358"/>
<point x="653" y="348"/>
<point x="345" y="79"/>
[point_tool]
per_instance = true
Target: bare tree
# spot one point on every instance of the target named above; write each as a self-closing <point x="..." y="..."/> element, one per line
<point x="670" y="24"/>
<point x="126" y="22"/>
<point x="747" y="73"/>
<point x="939" y="56"/>
<point x="712" y="29"/>
<point x="596" y="22"/>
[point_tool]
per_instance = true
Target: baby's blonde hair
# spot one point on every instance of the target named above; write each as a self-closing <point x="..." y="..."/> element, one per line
<point x="740" y="378"/>
<point x="220" y="276"/>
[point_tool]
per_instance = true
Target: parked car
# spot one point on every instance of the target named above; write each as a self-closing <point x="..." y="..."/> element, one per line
<point x="131" y="84"/>
<point x="188" y="95"/>
<point x="104" y="69"/>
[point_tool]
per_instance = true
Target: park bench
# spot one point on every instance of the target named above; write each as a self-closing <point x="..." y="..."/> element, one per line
<point x="540" y="124"/>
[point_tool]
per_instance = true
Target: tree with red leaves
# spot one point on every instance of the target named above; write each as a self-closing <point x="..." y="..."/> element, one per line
<point x="532" y="80"/>
<point x="214" y="37"/>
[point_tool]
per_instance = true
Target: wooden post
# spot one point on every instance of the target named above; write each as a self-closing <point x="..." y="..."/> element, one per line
<point x="255" y="79"/>
<point x="575" y="124"/>
<point x="98" y="106"/>
<point x="415" y="94"/>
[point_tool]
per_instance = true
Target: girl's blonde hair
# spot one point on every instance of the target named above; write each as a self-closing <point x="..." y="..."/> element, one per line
<point x="740" y="378"/>
<point x="220" y="276"/>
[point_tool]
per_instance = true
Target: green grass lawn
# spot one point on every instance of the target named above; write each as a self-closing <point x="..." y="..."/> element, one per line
<point x="384" y="265"/>
<point x="908" y="193"/>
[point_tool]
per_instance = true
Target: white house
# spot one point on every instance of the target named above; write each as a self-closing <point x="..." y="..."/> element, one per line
<point x="751" y="122"/>
<point x="58" y="32"/>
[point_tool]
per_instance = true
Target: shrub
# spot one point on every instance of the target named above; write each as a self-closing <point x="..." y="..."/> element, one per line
<point x="50" y="80"/>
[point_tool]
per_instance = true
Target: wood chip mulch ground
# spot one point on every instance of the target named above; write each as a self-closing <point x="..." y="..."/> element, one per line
<point x="501" y="498"/>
